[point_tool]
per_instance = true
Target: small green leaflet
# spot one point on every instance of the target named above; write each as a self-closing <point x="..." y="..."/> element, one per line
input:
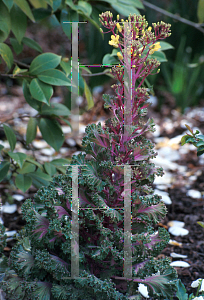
<point x="54" y="77"/>
<point x="10" y="135"/>
<point x="43" y="62"/>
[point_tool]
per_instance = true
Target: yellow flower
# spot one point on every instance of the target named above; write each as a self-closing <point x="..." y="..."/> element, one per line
<point x="119" y="27"/>
<point x="114" y="41"/>
<point x="119" y="55"/>
<point x="149" y="28"/>
<point x="154" y="48"/>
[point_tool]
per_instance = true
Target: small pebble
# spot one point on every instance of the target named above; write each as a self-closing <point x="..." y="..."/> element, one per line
<point x="71" y="142"/>
<point x="97" y="90"/>
<point x="174" y="243"/>
<point x="64" y="150"/>
<point x="10" y="233"/>
<point x="194" y="194"/>
<point x="157" y="132"/>
<point x="179" y="263"/>
<point x="39" y="144"/>
<point x="161" y="187"/>
<point x="9" y="208"/>
<point x="165" y="196"/>
<point x="82" y="128"/>
<point x="169" y="154"/>
<point x="165" y="163"/>
<point x="167" y="178"/>
<point x="48" y="151"/>
<point x="66" y="129"/>
<point x="176" y="223"/>
<point x="173" y="254"/>
<point x="79" y="100"/>
<point x="18" y="197"/>
<point x="178" y="231"/>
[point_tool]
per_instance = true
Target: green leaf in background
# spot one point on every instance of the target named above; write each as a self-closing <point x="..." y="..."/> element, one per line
<point x="31" y="160"/>
<point x="88" y="95"/>
<point x="50" y="169"/>
<point x="1" y="147"/>
<point x="184" y="139"/>
<point x="200" y="136"/>
<point x="29" y="99"/>
<point x="31" y="130"/>
<point x="68" y="16"/>
<point x="6" y="54"/>
<point x="200" y="11"/>
<point x="27" y="168"/>
<point x="86" y="69"/>
<point x="8" y="3"/>
<point x="136" y="3"/>
<point x="200" y="143"/>
<point x="165" y="46"/>
<point x="159" y="55"/>
<point x="18" y="48"/>
<point x="32" y="44"/>
<point x="18" y="22"/>
<point x="70" y="3"/>
<point x="200" y="150"/>
<point x="5" y="22"/>
<point x="56" y="4"/>
<point x="125" y="9"/>
<point x="4" y="168"/>
<point x="66" y="66"/>
<point x="181" y="291"/>
<point x="38" y="3"/>
<point x="41" y="13"/>
<point x="110" y="60"/>
<point x="54" y="77"/>
<point x="18" y="157"/>
<point x="41" y="91"/>
<point x="39" y="178"/>
<point x="44" y="62"/>
<point x="85" y="7"/>
<point x="23" y="182"/>
<point x="67" y="122"/>
<point x="56" y="109"/>
<point x="24" y="6"/>
<point x="201" y="223"/>
<point x="10" y="135"/>
<point x="52" y="133"/>
<point x="50" y="2"/>
<point x="89" y="19"/>
<point x="61" y="164"/>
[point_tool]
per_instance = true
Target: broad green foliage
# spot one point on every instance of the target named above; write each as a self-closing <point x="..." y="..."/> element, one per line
<point x="45" y="71"/>
<point x="40" y="264"/>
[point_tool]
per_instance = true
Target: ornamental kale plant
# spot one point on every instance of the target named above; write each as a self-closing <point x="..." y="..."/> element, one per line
<point x="40" y="264"/>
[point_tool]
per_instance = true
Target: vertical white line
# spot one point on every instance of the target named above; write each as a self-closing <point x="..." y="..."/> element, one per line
<point x="75" y="224"/>
<point x="127" y="168"/>
<point x="75" y="78"/>
<point x="127" y="223"/>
